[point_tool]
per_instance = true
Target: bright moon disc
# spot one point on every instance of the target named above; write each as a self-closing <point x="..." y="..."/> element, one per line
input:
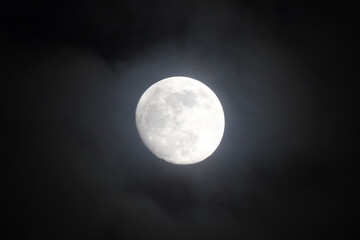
<point x="180" y="120"/>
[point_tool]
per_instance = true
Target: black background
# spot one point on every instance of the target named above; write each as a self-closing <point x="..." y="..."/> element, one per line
<point x="74" y="167"/>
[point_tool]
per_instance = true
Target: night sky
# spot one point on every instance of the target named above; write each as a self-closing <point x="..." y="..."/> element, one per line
<point x="74" y="167"/>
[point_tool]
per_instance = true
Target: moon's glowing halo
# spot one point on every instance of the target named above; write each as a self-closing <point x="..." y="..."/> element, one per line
<point x="180" y="120"/>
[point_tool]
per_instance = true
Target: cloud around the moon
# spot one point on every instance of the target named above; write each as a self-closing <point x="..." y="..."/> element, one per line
<point x="77" y="168"/>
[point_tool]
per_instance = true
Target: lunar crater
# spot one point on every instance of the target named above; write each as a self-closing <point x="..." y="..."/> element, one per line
<point x="189" y="98"/>
<point x="156" y="117"/>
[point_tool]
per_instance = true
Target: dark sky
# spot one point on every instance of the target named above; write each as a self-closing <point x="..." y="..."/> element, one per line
<point x="73" y="164"/>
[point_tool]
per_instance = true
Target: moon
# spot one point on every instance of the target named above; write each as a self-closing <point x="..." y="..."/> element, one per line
<point x="180" y="120"/>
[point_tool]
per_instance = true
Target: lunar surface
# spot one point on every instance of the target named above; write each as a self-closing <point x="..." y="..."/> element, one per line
<point x="180" y="120"/>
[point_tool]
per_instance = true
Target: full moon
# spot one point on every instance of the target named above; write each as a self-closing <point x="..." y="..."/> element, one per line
<point x="180" y="120"/>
